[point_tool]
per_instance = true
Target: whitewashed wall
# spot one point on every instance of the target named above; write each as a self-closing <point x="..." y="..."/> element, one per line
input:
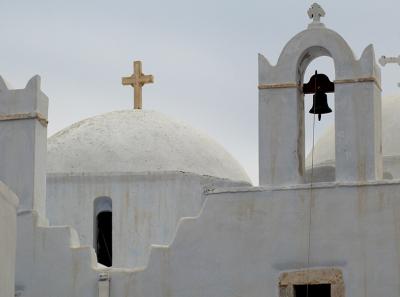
<point x="51" y="262"/>
<point x="243" y="241"/>
<point x="8" y="233"/>
<point x="146" y="207"/>
<point x="239" y="245"/>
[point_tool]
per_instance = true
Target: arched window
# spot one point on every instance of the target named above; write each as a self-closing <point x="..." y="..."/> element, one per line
<point x="102" y="231"/>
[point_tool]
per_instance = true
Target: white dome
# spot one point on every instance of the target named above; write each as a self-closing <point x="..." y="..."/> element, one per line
<point x="324" y="150"/>
<point x="138" y="141"/>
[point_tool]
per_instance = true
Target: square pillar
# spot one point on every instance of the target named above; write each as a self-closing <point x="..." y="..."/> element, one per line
<point x="23" y="143"/>
<point x="281" y="135"/>
<point x="358" y="131"/>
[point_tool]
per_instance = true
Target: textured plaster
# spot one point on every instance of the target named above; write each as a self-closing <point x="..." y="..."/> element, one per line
<point x="51" y="262"/>
<point x="8" y="229"/>
<point x="146" y="207"/>
<point x="138" y="141"/>
<point x="243" y="241"/>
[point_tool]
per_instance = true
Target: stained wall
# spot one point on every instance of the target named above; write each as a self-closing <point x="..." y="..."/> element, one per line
<point x="245" y="239"/>
<point x="146" y="207"/>
<point x="8" y="233"/>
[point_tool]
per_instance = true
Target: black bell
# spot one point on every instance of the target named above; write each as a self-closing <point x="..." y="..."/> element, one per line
<point x="319" y="85"/>
<point x="320" y="104"/>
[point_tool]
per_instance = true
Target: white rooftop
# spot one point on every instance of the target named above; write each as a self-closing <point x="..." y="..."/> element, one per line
<point x="138" y="141"/>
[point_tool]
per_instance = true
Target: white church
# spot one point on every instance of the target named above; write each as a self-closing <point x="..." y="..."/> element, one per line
<point x="133" y="203"/>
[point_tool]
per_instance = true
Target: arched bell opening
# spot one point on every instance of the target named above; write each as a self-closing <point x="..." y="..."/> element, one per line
<point x="319" y="115"/>
<point x="102" y="230"/>
<point x="357" y="110"/>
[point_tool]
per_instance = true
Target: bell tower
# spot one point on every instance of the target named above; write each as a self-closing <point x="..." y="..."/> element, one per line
<point x="357" y="86"/>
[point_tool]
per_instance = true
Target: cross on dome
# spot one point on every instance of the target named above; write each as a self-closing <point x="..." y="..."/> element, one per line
<point x="137" y="80"/>
<point x="315" y="12"/>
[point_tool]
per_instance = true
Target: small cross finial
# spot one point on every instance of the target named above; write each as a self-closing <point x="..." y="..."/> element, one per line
<point x="316" y="12"/>
<point x="389" y="60"/>
<point x="137" y="80"/>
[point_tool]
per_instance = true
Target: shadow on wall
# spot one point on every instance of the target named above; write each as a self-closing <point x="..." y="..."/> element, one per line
<point x="328" y="174"/>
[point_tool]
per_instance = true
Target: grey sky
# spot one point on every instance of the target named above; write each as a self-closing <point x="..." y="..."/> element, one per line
<point x="203" y="55"/>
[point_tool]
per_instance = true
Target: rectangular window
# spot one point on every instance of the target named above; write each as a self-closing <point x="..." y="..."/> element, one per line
<point x="317" y="282"/>
<point x="320" y="290"/>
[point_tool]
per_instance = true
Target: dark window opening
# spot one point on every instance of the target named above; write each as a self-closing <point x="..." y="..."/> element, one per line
<point x="104" y="238"/>
<point x="321" y="290"/>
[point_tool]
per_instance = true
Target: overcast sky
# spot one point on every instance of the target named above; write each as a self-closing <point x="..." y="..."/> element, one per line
<point x="203" y="55"/>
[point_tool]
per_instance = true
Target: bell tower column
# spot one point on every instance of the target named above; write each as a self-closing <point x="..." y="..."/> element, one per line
<point x="23" y="143"/>
<point x="358" y="130"/>
<point x="281" y="132"/>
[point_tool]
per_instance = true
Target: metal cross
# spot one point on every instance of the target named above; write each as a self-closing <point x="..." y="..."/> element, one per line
<point x="316" y="12"/>
<point x="389" y="60"/>
<point x="137" y="80"/>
